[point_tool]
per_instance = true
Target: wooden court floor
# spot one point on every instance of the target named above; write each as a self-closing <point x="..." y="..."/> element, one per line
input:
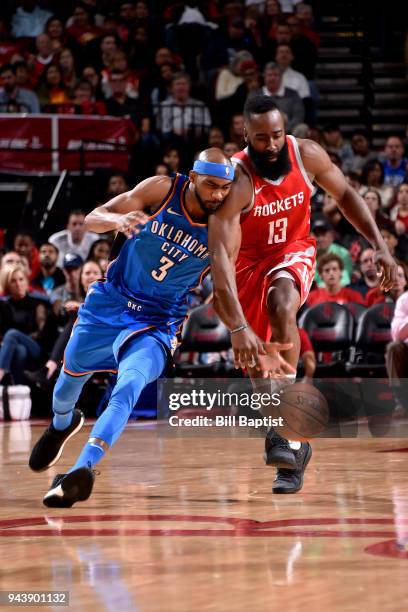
<point x="189" y="524"/>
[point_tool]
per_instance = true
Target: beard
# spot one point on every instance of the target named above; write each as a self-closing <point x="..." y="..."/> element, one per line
<point x="208" y="207"/>
<point x="270" y="169"/>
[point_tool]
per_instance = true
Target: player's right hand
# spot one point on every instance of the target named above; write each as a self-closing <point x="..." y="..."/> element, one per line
<point x="246" y="346"/>
<point x="129" y="224"/>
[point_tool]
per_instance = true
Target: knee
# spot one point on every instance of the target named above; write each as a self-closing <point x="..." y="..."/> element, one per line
<point x="395" y="350"/>
<point x="11" y="335"/>
<point x="281" y="313"/>
<point x="128" y="387"/>
<point x="21" y="352"/>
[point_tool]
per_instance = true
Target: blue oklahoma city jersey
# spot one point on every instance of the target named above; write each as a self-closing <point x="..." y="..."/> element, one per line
<point x="159" y="266"/>
<point x="146" y="288"/>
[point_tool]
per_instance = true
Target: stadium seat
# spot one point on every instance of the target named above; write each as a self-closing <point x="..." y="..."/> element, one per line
<point x="372" y="336"/>
<point x="204" y="333"/>
<point x="357" y="310"/>
<point x="330" y="329"/>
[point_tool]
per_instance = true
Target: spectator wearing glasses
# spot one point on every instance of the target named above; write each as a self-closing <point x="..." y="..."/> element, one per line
<point x="369" y="273"/>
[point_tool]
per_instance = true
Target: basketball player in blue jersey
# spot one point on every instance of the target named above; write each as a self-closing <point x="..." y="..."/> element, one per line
<point x="130" y="323"/>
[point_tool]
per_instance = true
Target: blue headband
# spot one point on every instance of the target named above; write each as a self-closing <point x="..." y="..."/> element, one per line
<point x="221" y="170"/>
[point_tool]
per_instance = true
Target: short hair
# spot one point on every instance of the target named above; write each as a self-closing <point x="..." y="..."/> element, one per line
<point x="76" y="212"/>
<point x="283" y="45"/>
<point x="181" y="75"/>
<point x="82" y="82"/>
<point x="20" y="64"/>
<point x="354" y="176"/>
<point x="361" y="132"/>
<point x="7" y="67"/>
<point x="272" y="66"/>
<point x="259" y="104"/>
<point x="395" y="135"/>
<point x="25" y="232"/>
<point x="327" y="258"/>
<point x="56" y="249"/>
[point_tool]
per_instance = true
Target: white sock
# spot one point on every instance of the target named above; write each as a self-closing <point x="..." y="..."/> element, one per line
<point x="294" y="445"/>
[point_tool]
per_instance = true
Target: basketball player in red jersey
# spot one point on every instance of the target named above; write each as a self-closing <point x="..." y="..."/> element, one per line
<point x="264" y="228"/>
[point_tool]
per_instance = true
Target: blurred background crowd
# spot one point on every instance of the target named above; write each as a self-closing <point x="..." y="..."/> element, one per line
<point x="179" y="73"/>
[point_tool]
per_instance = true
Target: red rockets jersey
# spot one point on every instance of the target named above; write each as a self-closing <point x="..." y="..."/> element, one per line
<point x="280" y="211"/>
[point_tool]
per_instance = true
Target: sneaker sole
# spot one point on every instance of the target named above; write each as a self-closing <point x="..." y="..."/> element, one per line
<point x="76" y="486"/>
<point x="58" y="455"/>
<point x="279" y="464"/>
<point x="285" y="491"/>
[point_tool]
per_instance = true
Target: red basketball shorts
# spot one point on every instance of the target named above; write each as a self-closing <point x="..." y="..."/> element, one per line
<point x="254" y="278"/>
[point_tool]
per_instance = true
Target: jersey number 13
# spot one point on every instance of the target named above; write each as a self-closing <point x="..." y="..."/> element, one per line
<point x="277" y="230"/>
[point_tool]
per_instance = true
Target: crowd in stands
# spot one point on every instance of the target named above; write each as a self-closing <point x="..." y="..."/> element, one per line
<point x="180" y="72"/>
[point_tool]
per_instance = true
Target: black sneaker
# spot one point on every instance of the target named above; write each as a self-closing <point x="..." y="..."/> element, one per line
<point x="291" y="481"/>
<point x="66" y="489"/>
<point x="49" y="447"/>
<point x="278" y="452"/>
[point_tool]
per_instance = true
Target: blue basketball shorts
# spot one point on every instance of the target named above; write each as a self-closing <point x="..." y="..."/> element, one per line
<point x="106" y="322"/>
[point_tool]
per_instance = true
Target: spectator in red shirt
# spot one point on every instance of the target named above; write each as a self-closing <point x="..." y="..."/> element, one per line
<point x="89" y="73"/>
<point x="82" y="28"/>
<point x="330" y="267"/>
<point x="120" y="62"/>
<point x="272" y="17"/>
<point x="24" y="245"/>
<point x="376" y="296"/>
<point x="307" y="355"/>
<point x="56" y="31"/>
<point x="304" y="12"/>
<point x="52" y="89"/>
<point x="66" y="62"/>
<point x="45" y="56"/>
<point x="85" y="101"/>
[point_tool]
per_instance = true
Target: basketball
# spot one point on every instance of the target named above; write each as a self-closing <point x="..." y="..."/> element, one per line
<point x="304" y="412"/>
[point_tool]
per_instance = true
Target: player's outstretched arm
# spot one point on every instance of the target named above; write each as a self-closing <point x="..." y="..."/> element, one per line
<point x="224" y="239"/>
<point x="126" y="212"/>
<point x="352" y="205"/>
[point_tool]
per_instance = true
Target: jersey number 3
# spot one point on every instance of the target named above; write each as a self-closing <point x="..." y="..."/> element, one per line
<point x="161" y="273"/>
<point x="277" y="230"/>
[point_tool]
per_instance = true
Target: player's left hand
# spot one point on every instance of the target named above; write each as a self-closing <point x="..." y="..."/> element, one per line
<point x="388" y="269"/>
<point x="273" y="365"/>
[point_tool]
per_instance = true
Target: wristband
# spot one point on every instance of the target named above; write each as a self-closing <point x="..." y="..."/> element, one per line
<point x="238" y="329"/>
